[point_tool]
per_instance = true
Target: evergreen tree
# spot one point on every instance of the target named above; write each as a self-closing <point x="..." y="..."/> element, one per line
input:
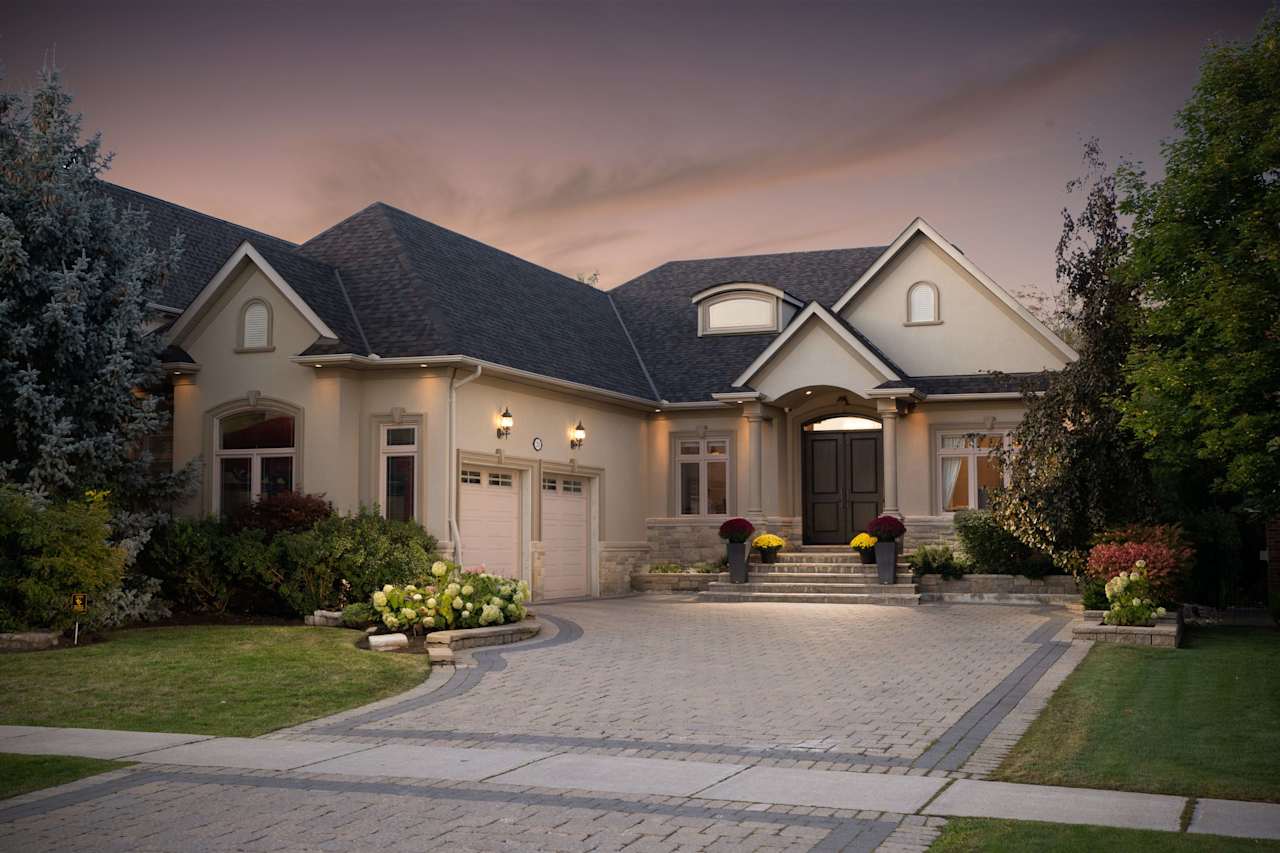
<point x="76" y="278"/>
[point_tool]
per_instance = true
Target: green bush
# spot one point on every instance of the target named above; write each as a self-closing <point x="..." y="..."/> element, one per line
<point x="188" y="556"/>
<point x="665" y="569"/>
<point x="1093" y="594"/>
<point x="48" y="552"/>
<point x="365" y="549"/>
<point x="936" y="560"/>
<point x="991" y="549"/>
<point x="451" y="599"/>
<point x="284" y="512"/>
<point x="359" y="615"/>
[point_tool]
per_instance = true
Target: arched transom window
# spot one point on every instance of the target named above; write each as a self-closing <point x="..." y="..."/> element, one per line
<point x="922" y="303"/>
<point x="255" y="457"/>
<point x="842" y="423"/>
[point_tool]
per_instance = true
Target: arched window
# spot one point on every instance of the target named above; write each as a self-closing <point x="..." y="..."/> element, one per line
<point x="741" y="313"/>
<point x="255" y="457"/>
<point x="922" y="303"/>
<point x="842" y="423"/>
<point x="255" y="325"/>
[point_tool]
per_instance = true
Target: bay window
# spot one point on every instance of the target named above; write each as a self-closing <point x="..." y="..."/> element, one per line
<point x="702" y="469"/>
<point x="967" y="471"/>
<point x="255" y="458"/>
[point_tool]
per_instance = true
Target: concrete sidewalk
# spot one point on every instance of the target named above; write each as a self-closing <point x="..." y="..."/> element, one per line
<point x="904" y="794"/>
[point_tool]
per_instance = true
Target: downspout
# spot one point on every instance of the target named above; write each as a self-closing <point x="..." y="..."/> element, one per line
<point x="455" y="534"/>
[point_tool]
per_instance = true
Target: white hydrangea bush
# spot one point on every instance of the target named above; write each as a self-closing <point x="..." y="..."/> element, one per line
<point x="451" y="598"/>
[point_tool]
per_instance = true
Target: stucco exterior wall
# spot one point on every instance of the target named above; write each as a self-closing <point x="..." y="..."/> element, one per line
<point x="977" y="331"/>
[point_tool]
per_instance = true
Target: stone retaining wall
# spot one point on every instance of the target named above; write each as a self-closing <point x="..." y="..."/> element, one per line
<point x="1165" y="634"/>
<point x="1006" y="589"/>
<point x="685" y="540"/>
<point x="618" y="562"/>
<point x="675" y="581"/>
<point x="930" y="530"/>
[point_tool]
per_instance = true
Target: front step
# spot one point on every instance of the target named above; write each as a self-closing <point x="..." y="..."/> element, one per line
<point x="901" y="599"/>
<point x="824" y="568"/>
<point x="817" y="588"/>
<point x="845" y="556"/>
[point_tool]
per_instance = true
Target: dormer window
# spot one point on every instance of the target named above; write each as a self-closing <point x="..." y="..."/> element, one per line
<point x="255" y="327"/>
<point x="742" y="308"/>
<point x="922" y="304"/>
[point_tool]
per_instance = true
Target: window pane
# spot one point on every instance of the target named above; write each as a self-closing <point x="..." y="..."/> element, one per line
<point x="955" y="483"/>
<point x="690" y="448"/>
<point x="718" y="447"/>
<point x="735" y="313"/>
<point x="572" y="487"/>
<point x="988" y="476"/>
<point x="990" y="440"/>
<point x="471" y="478"/>
<point x="952" y="441"/>
<point x="248" y="430"/>
<point x="842" y="423"/>
<point x="277" y="475"/>
<point x="234" y="484"/>
<point x="399" y="497"/>
<point x="717" y="488"/>
<point x="689" y="481"/>
<point x="502" y="481"/>
<point x="548" y="484"/>
<point x="401" y="437"/>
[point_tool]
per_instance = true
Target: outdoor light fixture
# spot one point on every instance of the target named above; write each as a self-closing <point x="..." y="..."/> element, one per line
<point x="504" y="424"/>
<point x="579" y="436"/>
<point x="319" y="365"/>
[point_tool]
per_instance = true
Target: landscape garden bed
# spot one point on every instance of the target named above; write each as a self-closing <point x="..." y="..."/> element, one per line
<point x="1166" y="633"/>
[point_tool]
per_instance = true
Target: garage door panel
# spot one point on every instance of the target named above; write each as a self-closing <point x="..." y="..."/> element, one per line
<point x="489" y="517"/>
<point x="566" y="571"/>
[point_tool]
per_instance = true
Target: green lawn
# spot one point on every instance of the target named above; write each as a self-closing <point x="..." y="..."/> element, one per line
<point x="22" y="773"/>
<point x="980" y="835"/>
<point x="1203" y="720"/>
<point x="216" y="680"/>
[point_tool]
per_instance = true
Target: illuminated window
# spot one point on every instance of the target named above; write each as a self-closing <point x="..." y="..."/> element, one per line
<point x="398" y="484"/>
<point x="702" y="465"/>
<point x="254" y="458"/>
<point x="967" y="471"/>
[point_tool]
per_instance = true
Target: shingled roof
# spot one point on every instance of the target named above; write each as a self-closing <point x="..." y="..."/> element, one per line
<point x="663" y="322"/>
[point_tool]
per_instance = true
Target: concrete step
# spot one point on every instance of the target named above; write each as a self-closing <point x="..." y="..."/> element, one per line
<point x="817" y="588"/>
<point x="840" y="568"/>
<point x="908" y="600"/>
<point x="845" y="556"/>
<point x="843" y="578"/>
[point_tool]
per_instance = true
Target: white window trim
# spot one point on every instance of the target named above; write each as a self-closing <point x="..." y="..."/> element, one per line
<point x="254" y="456"/>
<point x="937" y="305"/>
<point x="385" y="452"/>
<point x="704" y="314"/>
<point x="702" y="458"/>
<point x="970" y="453"/>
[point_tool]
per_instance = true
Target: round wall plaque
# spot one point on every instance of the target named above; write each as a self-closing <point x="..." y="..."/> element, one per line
<point x="537" y="444"/>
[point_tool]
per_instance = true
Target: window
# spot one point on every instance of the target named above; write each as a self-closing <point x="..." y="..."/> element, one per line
<point x="842" y="423"/>
<point x="741" y="313"/>
<point x="254" y="459"/>
<point x="922" y="303"/>
<point x="702" y="465"/>
<point x="966" y="470"/>
<point x="398" y="481"/>
<point x="571" y="487"/>
<point x="255" y="325"/>
<point x="548" y="484"/>
<point x="501" y="481"/>
<point x="470" y="478"/>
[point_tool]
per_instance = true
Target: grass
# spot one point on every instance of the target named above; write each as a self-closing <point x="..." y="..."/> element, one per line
<point x="1198" y="721"/>
<point x="215" y="680"/>
<point x="22" y="773"/>
<point x="980" y="835"/>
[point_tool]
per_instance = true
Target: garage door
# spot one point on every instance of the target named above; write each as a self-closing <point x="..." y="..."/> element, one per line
<point x="565" y="572"/>
<point x="489" y="515"/>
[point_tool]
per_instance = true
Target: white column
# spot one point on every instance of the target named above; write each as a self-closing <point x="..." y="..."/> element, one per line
<point x="889" y="435"/>
<point x="755" y="460"/>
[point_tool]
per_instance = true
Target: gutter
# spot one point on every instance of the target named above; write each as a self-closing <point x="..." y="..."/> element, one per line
<point x="451" y="500"/>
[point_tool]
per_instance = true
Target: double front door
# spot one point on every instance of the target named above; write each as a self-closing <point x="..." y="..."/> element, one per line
<point x="842" y="473"/>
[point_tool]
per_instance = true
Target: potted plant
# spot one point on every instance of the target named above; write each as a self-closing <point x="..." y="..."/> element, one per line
<point x="769" y="545"/>
<point x="736" y="532"/>
<point x="887" y="530"/>
<point x="865" y="545"/>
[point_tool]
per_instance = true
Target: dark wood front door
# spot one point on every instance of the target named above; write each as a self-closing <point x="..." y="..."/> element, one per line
<point x="842" y="481"/>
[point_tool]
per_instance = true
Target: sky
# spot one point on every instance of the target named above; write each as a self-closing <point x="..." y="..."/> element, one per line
<point x="610" y="136"/>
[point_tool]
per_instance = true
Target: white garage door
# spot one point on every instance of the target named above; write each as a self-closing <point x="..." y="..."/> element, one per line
<point x="565" y="573"/>
<point x="489" y="515"/>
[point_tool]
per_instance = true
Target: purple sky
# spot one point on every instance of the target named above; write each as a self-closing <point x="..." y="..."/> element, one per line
<point x="614" y="136"/>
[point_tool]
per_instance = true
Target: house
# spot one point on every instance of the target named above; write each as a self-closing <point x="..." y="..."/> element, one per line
<point x="567" y="435"/>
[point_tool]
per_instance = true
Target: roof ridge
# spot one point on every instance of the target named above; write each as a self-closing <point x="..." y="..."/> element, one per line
<point x="337" y="274"/>
<point x="770" y="255"/>
<point x="201" y="213"/>
<point x="640" y="359"/>
<point x="343" y="221"/>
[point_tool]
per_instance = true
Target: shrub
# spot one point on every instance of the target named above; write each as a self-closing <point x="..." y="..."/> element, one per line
<point x="887" y="528"/>
<point x="769" y="542"/>
<point x="284" y="512"/>
<point x="1166" y="557"/>
<point x="186" y="555"/>
<point x="359" y="615"/>
<point x="1130" y="593"/>
<point x="454" y="599"/>
<point x="369" y="551"/>
<point x="665" y="568"/>
<point x="136" y="600"/>
<point x="1093" y="594"/>
<point x="707" y="568"/>
<point x="49" y="551"/>
<point x="936" y="560"/>
<point x="737" y="530"/>
<point x="991" y="549"/>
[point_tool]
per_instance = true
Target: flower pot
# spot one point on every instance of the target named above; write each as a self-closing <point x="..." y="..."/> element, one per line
<point x="887" y="561"/>
<point x="737" y="562"/>
<point x="867" y="556"/>
<point x="768" y="555"/>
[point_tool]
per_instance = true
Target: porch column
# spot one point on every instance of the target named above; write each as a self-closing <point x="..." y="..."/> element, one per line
<point x="755" y="460"/>
<point x="888" y="410"/>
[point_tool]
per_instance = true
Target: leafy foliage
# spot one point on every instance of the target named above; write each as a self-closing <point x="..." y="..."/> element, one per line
<point x="359" y="615"/>
<point x="76" y="279"/>
<point x="936" y="560"/>
<point x="283" y="512"/>
<point x="992" y="549"/>
<point x="737" y="530"/>
<point x="1071" y="470"/>
<point x="453" y="599"/>
<point x="1161" y="549"/>
<point x="886" y="528"/>
<point x="50" y="550"/>
<point x="1205" y="367"/>
<point x="137" y="599"/>
<point x="1131" y="598"/>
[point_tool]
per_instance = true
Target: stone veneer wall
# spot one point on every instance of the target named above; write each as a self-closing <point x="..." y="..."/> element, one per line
<point x="686" y="540"/>
<point x="1011" y="589"/>
<point x="929" y="530"/>
<point x="618" y="561"/>
<point x="537" y="563"/>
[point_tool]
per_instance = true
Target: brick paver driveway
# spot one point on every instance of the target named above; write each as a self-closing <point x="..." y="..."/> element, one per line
<point x="752" y="682"/>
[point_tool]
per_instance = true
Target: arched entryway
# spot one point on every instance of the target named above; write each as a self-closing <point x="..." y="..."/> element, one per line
<point x="842" y="476"/>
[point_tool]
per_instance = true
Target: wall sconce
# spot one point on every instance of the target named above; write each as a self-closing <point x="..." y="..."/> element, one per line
<point x="579" y="435"/>
<point x="504" y="423"/>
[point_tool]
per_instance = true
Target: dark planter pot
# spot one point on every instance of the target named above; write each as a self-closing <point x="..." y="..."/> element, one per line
<point x="737" y="562"/>
<point x="887" y="561"/>
<point x="768" y="555"/>
<point x="867" y="555"/>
